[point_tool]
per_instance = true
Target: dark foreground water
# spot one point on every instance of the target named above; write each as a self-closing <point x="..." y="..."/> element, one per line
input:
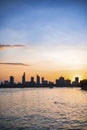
<point x="43" y="109"/>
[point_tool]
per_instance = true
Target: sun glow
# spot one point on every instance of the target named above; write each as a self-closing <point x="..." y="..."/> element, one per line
<point x="76" y="75"/>
<point x="48" y="40"/>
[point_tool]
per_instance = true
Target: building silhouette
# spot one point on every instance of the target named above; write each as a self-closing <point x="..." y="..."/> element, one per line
<point x="67" y="83"/>
<point x="6" y="82"/>
<point x="38" y="80"/>
<point x="42" y="80"/>
<point x="23" y="78"/>
<point x="61" y="82"/>
<point x="11" y="80"/>
<point x="32" y="82"/>
<point x="32" y="79"/>
<point x="76" y="81"/>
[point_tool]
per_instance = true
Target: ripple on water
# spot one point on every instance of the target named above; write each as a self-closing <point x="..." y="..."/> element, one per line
<point x="43" y="109"/>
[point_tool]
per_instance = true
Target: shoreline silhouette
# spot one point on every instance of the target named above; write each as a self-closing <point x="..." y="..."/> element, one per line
<point x="41" y="82"/>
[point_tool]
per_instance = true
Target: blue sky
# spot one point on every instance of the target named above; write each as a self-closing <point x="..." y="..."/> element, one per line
<point x="53" y="32"/>
<point x="36" y="21"/>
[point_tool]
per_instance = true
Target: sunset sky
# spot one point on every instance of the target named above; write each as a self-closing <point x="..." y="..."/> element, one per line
<point x="44" y="37"/>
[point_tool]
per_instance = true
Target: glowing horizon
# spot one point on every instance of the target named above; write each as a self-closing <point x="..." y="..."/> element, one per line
<point x="48" y="75"/>
<point x="46" y="37"/>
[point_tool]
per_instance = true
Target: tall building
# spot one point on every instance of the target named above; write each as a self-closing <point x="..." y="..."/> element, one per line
<point x="32" y="82"/>
<point x="32" y="79"/>
<point x="11" y="80"/>
<point x="38" y="80"/>
<point x="42" y="80"/>
<point x="61" y="81"/>
<point x="23" y="78"/>
<point x="67" y="83"/>
<point x="76" y="81"/>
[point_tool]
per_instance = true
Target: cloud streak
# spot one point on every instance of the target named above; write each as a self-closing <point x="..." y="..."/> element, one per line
<point x="2" y="46"/>
<point x="18" y="64"/>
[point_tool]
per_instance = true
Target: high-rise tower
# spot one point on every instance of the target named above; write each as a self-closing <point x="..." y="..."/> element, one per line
<point x="38" y="80"/>
<point x="11" y="80"/>
<point x="23" y="78"/>
<point x="76" y="81"/>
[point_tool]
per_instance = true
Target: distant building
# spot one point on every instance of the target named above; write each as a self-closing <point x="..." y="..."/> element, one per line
<point x="32" y="82"/>
<point x="32" y="79"/>
<point x="67" y="83"/>
<point x="51" y="83"/>
<point x="57" y="82"/>
<point x="45" y="83"/>
<point x="42" y="80"/>
<point x="11" y="80"/>
<point x="6" y="82"/>
<point x="76" y="81"/>
<point x="23" y="78"/>
<point x="73" y="84"/>
<point x="60" y="82"/>
<point x="38" y="80"/>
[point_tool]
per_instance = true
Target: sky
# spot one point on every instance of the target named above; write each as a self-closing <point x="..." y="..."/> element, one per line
<point x="44" y="37"/>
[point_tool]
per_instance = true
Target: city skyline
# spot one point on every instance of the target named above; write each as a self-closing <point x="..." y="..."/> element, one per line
<point x="45" y="37"/>
<point x="40" y="82"/>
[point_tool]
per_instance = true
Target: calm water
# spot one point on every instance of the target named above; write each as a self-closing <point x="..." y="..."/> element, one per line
<point x="43" y="109"/>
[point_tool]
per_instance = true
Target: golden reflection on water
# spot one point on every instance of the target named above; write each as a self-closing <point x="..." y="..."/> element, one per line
<point x="44" y="107"/>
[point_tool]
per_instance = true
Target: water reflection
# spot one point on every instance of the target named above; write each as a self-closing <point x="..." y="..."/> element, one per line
<point x="43" y="108"/>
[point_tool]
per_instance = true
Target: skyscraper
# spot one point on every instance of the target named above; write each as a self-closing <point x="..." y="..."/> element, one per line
<point x="32" y="79"/>
<point x="38" y="80"/>
<point x="11" y="80"/>
<point x="61" y="81"/>
<point x="23" y="78"/>
<point x="32" y="82"/>
<point x="76" y="81"/>
<point x="42" y="80"/>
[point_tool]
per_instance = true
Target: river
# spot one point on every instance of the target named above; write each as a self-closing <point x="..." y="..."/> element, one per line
<point x="43" y="109"/>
